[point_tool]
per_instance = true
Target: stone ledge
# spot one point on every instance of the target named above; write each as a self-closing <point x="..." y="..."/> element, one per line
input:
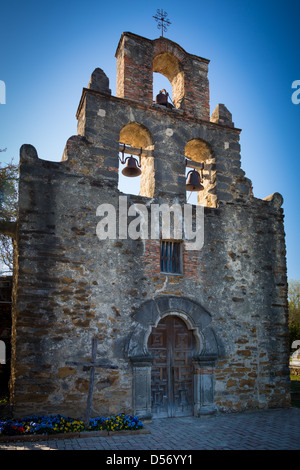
<point x="160" y="109"/>
<point x="70" y="435"/>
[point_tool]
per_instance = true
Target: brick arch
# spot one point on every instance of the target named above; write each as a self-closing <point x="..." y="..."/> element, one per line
<point x="135" y="56"/>
<point x="168" y="65"/>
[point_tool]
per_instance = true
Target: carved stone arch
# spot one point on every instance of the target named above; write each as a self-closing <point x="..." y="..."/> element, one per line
<point x="188" y="321"/>
<point x="152" y="311"/>
<point x="197" y="319"/>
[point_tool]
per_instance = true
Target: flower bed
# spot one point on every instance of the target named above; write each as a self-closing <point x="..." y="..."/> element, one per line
<point x="54" y="424"/>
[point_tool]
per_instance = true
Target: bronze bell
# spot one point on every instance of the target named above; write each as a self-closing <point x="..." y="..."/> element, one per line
<point x="161" y="99"/>
<point x="132" y="167"/>
<point x="193" y="181"/>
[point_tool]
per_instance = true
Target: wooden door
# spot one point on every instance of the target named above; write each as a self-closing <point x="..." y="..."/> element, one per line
<point x="171" y="344"/>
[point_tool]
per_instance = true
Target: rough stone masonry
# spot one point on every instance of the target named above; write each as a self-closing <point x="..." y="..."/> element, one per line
<point x="227" y="348"/>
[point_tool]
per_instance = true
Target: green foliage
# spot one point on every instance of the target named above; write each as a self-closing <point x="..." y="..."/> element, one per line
<point x="295" y="391"/>
<point x="4" y="400"/>
<point x="294" y="310"/>
<point x="9" y="175"/>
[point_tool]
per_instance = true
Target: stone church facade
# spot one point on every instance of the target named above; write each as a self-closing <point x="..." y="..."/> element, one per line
<point x="208" y="335"/>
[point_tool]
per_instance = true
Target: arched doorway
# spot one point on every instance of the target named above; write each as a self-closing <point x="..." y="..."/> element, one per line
<point x="172" y="344"/>
<point x="203" y="353"/>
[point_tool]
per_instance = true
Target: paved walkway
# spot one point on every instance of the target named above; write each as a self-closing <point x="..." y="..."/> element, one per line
<point x="266" y="430"/>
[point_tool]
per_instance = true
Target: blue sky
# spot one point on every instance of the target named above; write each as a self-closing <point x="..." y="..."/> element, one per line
<point x="50" y="48"/>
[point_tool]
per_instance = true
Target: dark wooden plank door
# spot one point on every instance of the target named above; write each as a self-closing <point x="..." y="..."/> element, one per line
<point x="171" y="344"/>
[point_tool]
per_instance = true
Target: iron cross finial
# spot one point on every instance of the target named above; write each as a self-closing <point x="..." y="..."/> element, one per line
<point x="162" y="20"/>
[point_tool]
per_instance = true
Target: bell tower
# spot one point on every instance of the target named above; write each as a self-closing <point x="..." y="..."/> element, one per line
<point x="165" y="140"/>
<point x="138" y="58"/>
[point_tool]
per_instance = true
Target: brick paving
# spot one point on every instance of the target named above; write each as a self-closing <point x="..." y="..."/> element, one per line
<point x="256" y="430"/>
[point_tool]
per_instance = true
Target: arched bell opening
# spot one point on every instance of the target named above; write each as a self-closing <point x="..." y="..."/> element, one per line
<point x="200" y="173"/>
<point x="136" y="168"/>
<point x="162" y="90"/>
<point x="169" y="67"/>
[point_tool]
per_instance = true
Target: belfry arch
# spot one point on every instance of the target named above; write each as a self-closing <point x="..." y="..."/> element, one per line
<point x="169" y="66"/>
<point x="136" y="135"/>
<point x="135" y="73"/>
<point x="199" y="151"/>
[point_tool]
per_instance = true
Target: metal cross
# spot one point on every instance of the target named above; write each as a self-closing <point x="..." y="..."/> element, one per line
<point x="162" y="20"/>
<point x="91" y="365"/>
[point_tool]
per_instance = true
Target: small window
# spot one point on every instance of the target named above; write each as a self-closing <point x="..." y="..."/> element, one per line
<point x="170" y="257"/>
